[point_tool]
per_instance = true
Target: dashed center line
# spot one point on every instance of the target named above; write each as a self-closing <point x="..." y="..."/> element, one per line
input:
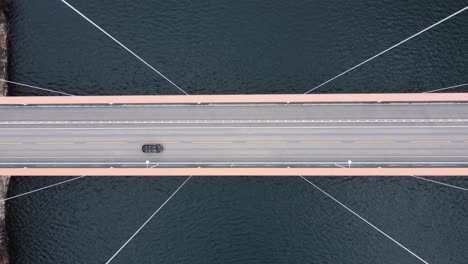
<point x="430" y="141"/>
<point x="266" y="142"/>
<point x="159" y="142"/>
<point x="54" y="143"/>
<point x="10" y="143"/>
<point x="106" y="142"/>
<point x="211" y="142"/>
<point x="373" y="141"/>
<point x="320" y="142"/>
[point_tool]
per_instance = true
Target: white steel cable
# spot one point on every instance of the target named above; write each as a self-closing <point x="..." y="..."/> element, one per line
<point x="123" y="46"/>
<point x="446" y="88"/>
<point x="367" y="222"/>
<point x="147" y="221"/>
<point x="36" y="87"/>
<point x="40" y="189"/>
<point x="442" y="183"/>
<point x="392" y="47"/>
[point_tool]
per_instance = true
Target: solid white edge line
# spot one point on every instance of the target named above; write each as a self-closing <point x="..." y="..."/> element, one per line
<point x="175" y="163"/>
<point x="205" y="105"/>
<point x="216" y="127"/>
<point x="250" y="121"/>
<point x="367" y="222"/>
<point x="246" y="156"/>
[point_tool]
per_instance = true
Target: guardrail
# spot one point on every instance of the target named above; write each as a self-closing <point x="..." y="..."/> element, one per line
<point x="254" y="98"/>
<point x="234" y="171"/>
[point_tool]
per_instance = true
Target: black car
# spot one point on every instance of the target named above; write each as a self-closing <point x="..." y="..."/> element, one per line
<point x="152" y="148"/>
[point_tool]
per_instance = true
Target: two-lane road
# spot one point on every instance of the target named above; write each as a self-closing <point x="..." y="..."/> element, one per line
<point x="236" y="135"/>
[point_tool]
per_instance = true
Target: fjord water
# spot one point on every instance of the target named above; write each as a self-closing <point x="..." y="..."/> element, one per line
<point x="224" y="47"/>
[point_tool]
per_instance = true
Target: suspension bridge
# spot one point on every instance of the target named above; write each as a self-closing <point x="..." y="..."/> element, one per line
<point x="269" y="135"/>
<point x="261" y="135"/>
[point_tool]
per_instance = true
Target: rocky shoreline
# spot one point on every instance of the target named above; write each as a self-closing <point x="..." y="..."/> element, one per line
<point x="4" y="180"/>
<point x="3" y="46"/>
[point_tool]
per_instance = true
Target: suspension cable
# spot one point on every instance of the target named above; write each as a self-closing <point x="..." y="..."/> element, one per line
<point x="40" y="189"/>
<point x="392" y="47"/>
<point x="123" y="46"/>
<point x="36" y="87"/>
<point x="363" y="219"/>
<point x="147" y="221"/>
<point x="446" y="88"/>
<point x="442" y="183"/>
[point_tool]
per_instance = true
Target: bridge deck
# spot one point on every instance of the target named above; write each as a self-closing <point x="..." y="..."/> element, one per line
<point x="241" y="135"/>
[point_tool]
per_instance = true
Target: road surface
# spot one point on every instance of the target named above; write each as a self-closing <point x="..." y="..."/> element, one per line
<point x="423" y="134"/>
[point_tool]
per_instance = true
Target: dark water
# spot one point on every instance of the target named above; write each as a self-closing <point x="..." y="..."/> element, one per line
<point x="237" y="47"/>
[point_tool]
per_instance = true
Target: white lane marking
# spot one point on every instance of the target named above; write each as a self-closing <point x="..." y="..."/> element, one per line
<point x="220" y="127"/>
<point x="249" y="121"/>
<point x="230" y="156"/>
<point x="205" y="105"/>
<point x="363" y="219"/>
<point x="171" y="163"/>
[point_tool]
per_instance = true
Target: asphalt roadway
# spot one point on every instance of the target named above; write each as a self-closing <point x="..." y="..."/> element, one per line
<point x="369" y="135"/>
